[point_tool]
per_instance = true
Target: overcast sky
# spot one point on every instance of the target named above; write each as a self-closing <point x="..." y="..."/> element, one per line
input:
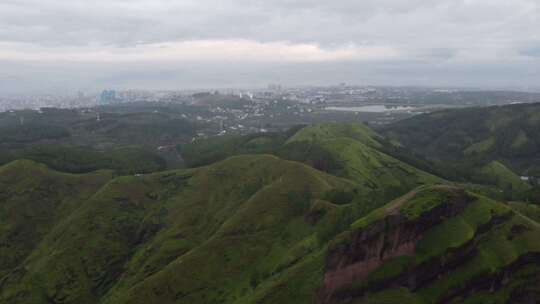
<point x="51" y="45"/>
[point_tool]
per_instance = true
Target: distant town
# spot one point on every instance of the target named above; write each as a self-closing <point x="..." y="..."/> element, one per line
<point x="241" y="111"/>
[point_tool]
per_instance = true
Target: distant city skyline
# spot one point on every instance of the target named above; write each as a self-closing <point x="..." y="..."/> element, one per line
<point x="52" y="46"/>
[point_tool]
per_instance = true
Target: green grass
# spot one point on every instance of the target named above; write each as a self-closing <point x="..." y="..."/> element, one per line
<point x="223" y="232"/>
<point x="424" y="201"/>
<point x="460" y="229"/>
<point x="462" y="142"/>
<point x="503" y="177"/>
<point x="412" y="205"/>
<point x="126" y="160"/>
<point x="237" y="227"/>
<point x="496" y="250"/>
<point x="358" y="151"/>
<point x="392" y="296"/>
<point x="233" y="232"/>
<point x="323" y="132"/>
<point x="480" y="147"/>
<point x="529" y="210"/>
<point x="247" y="229"/>
<point x="33" y="200"/>
<point x="351" y="151"/>
<point x="498" y="247"/>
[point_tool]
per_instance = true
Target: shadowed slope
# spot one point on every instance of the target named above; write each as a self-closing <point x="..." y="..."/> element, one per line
<point x="200" y="235"/>
<point x="32" y="201"/>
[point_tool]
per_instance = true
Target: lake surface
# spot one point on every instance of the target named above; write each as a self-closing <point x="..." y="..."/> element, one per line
<point x="372" y="109"/>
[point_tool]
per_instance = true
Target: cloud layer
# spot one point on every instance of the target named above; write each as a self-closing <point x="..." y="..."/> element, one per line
<point x="482" y="35"/>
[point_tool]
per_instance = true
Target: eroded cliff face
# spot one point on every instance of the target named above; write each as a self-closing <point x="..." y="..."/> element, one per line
<point x="394" y="236"/>
<point x="368" y="250"/>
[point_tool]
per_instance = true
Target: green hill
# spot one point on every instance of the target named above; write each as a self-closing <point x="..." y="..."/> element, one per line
<point x="493" y="145"/>
<point x="351" y="151"/>
<point x="331" y="213"/>
<point x="252" y="229"/>
<point x="436" y="245"/>
<point x="126" y="160"/>
<point x="205" y="235"/>
<point x="498" y="174"/>
<point x="329" y="131"/>
<point x="502" y="133"/>
<point x="33" y="199"/>
<point x="361" y="157"/>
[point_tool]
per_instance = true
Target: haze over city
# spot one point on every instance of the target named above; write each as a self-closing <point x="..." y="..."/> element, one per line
<point x="52" y="46"/>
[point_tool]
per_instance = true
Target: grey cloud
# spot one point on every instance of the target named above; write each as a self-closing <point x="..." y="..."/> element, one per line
<point x="324" y="22"/>
<point x="471" y="40"/>
<point x="440" y="53"/>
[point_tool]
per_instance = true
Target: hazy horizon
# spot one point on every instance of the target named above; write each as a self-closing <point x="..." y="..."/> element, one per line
<point x="50" y="46"/>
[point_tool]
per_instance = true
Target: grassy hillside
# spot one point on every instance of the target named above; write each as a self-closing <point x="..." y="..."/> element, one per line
<point x="126" y="160"/>
<point x="253" y="229"/>
<point x="323" y="132"/>
<point x="353" y="151"/>
<point x="33" y="199"/>
<point x="204" y="235"/>
<point x="493" y="145"/>
<point x="504" y="133"/>
<point x="330" y="213"/>
<point x="498" y="174"/>
<point x="360" y="156"/>
<point x="436" y="245"/>
<point x="207" y="151"/>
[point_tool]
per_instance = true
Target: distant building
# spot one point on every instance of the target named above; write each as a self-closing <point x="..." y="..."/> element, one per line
<point x="108" y="97"/>
<point x="274" y="87"/>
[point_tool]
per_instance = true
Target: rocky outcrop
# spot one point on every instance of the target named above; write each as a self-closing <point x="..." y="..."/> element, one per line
<point x="369" y="248"/>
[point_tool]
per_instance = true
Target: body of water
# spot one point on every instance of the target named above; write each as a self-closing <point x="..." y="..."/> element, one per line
<point x="372" y="109"/>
